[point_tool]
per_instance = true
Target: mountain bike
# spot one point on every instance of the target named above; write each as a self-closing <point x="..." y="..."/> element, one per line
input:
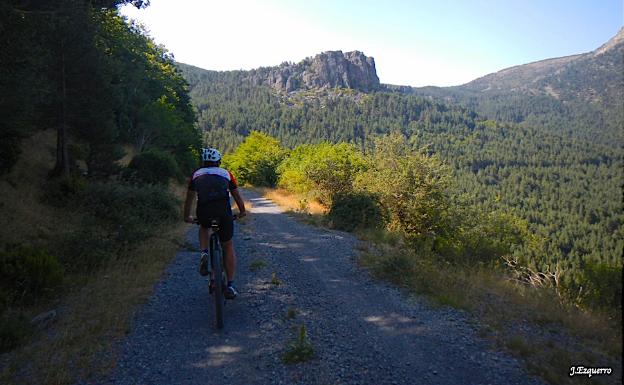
<point x="218" y="281"/>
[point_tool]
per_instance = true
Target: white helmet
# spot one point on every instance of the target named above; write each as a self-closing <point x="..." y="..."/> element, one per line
<point x="210" y="155"/>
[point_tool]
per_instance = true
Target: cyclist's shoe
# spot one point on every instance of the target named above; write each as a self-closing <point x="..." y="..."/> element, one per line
<point x="203" y="265"/>
<point x="230" y="292"/>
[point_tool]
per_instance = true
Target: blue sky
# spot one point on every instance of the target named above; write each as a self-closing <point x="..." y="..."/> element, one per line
<point x="418" y="43"/>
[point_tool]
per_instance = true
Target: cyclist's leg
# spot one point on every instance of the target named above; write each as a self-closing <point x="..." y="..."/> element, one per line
<point x="230" y="259"/>
<point x="225" y="235"/>
<point x="204" y="237"/>
<point x="203" y="216"/>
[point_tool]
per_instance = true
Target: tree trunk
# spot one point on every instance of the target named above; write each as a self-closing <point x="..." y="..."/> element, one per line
<point x="62" y="159"/>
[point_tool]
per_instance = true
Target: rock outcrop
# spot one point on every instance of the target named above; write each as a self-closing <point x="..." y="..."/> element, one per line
<point x="327" y="70"/>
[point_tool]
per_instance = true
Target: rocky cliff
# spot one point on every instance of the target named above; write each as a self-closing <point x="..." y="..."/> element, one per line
<point x="326" y="70"/>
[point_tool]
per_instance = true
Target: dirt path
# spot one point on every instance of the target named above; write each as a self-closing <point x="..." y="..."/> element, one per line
<point x="363" y="332"/>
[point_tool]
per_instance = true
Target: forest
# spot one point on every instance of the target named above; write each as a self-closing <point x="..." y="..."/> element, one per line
<point x="567" y="187"/>
<point x="120" y="113"/>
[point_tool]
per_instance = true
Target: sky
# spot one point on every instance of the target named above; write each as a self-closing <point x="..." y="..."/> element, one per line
<point x="414" y="42"/>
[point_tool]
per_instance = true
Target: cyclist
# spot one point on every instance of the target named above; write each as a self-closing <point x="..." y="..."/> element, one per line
<point x="212" y="185"/>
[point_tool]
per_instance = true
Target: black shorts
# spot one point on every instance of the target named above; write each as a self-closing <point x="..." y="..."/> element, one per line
<point x="206" y="213"/>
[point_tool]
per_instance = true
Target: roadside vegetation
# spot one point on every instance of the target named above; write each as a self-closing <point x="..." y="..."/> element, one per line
<point x="98" y="136"/>
<point x="420" y="233"/>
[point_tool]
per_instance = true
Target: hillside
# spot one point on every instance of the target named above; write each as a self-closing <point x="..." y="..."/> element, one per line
<point x="95" y="132"/>
<point x="579" y="95"/>
<point x="563" y="179"/>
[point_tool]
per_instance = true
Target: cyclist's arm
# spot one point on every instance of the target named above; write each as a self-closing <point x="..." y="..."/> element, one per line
<point x="188" y="205"/>
<point x="239" y="202"/>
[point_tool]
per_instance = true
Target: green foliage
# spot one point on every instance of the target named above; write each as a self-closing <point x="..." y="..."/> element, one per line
<point x="300" y="350"/>
<point x="14" y="330"/>
<point x="356" y="210"/>
<point x="152" y="167"/>
<point x="255" y="161"/>
<point x="100" y="81"/>
<point x="60" y="192"/>
<point x="412" y="187"/>
<point x="119" y="217"/>
<point x="274" y="280"/>
<point x="118" y="202"/>
<point x="291" y="314"/>
<point x="321" y="170"/>
<point x="477" y="237"/>
<point x="257" y="265"/>
<point x="9" y="150"/>
<point x="554" y="164"/>
<point x="602" y="286"/>
<point x="27" y="275"/>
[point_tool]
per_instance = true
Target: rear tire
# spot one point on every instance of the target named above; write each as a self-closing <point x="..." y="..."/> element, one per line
<point x="218" y="283"/>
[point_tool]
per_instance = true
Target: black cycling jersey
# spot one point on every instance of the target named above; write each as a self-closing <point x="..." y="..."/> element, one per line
<point x="213" y="186"/>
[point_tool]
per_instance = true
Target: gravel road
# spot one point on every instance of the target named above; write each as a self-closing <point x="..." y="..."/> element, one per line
<point x="363" y="331"/>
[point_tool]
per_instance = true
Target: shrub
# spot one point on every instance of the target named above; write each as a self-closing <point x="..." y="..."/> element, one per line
<point x="321" y="170"/>
<point x="118" y="217"/>
<point x="602" y="285"/>
<point x="90" y="247"/>
<point x="300" y="350"/>
<point x="356" y="210"/>
<point x="27" y="275"/>
<point x="475" y="237"/>
<point x="187" y="161"/>
<point x="412" y="187"/>
<point x="61" y="191"/>
<point x="152" y="167"/>
<point x="255" y="161"/>
<point x="9" y="149"/>
<point x="120" y="204"/>
<point x="14" y="330"/>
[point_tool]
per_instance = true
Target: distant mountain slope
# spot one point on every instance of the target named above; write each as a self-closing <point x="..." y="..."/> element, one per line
<point x="581" y="95"/>
<point x="550" y="169"/>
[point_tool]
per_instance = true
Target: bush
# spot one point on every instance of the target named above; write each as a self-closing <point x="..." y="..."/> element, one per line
<point x="61" y="191"/>
<point x="412" y="187"/>
<point x="9" y="149"/>
<point x="14" y="330"/>
<point x="119" y="216"/>
<point x="321" y="170"/>
<point x="27" y="275"/>
<point x="475" y="237"/>
<point x="602" y="285"/>
<point x="90" y="247"/>
<point x="255" y="161"/>
<point x="152" y="167"/>
<point x="120" y="203"/>
<point x="356" y="210"/>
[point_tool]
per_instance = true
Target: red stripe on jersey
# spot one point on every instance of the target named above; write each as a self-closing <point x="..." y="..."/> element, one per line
<point x="233" y="180"/>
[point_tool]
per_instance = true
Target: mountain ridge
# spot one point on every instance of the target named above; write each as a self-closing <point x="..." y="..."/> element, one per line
<point x="329" y="69"/>
<point x="534" y="71"/>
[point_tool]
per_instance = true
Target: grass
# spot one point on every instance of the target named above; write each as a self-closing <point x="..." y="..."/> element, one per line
<point x="304" y="209"/>
<point x="274" y="280"/>
<point x="94" y="310"/>
<point x="257" y="265"/>
<point x="291" y="201"/>
<point x="556" y="335"/>
<point x="80" y="345"/>
<point x="292" y="314"/>
<point x="300" y="350"/>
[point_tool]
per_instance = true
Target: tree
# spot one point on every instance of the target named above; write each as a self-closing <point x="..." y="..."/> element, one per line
<point x="255" y="161"/>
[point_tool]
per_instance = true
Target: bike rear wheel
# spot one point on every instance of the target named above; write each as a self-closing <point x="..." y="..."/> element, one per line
<point x="218" y="281"/>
